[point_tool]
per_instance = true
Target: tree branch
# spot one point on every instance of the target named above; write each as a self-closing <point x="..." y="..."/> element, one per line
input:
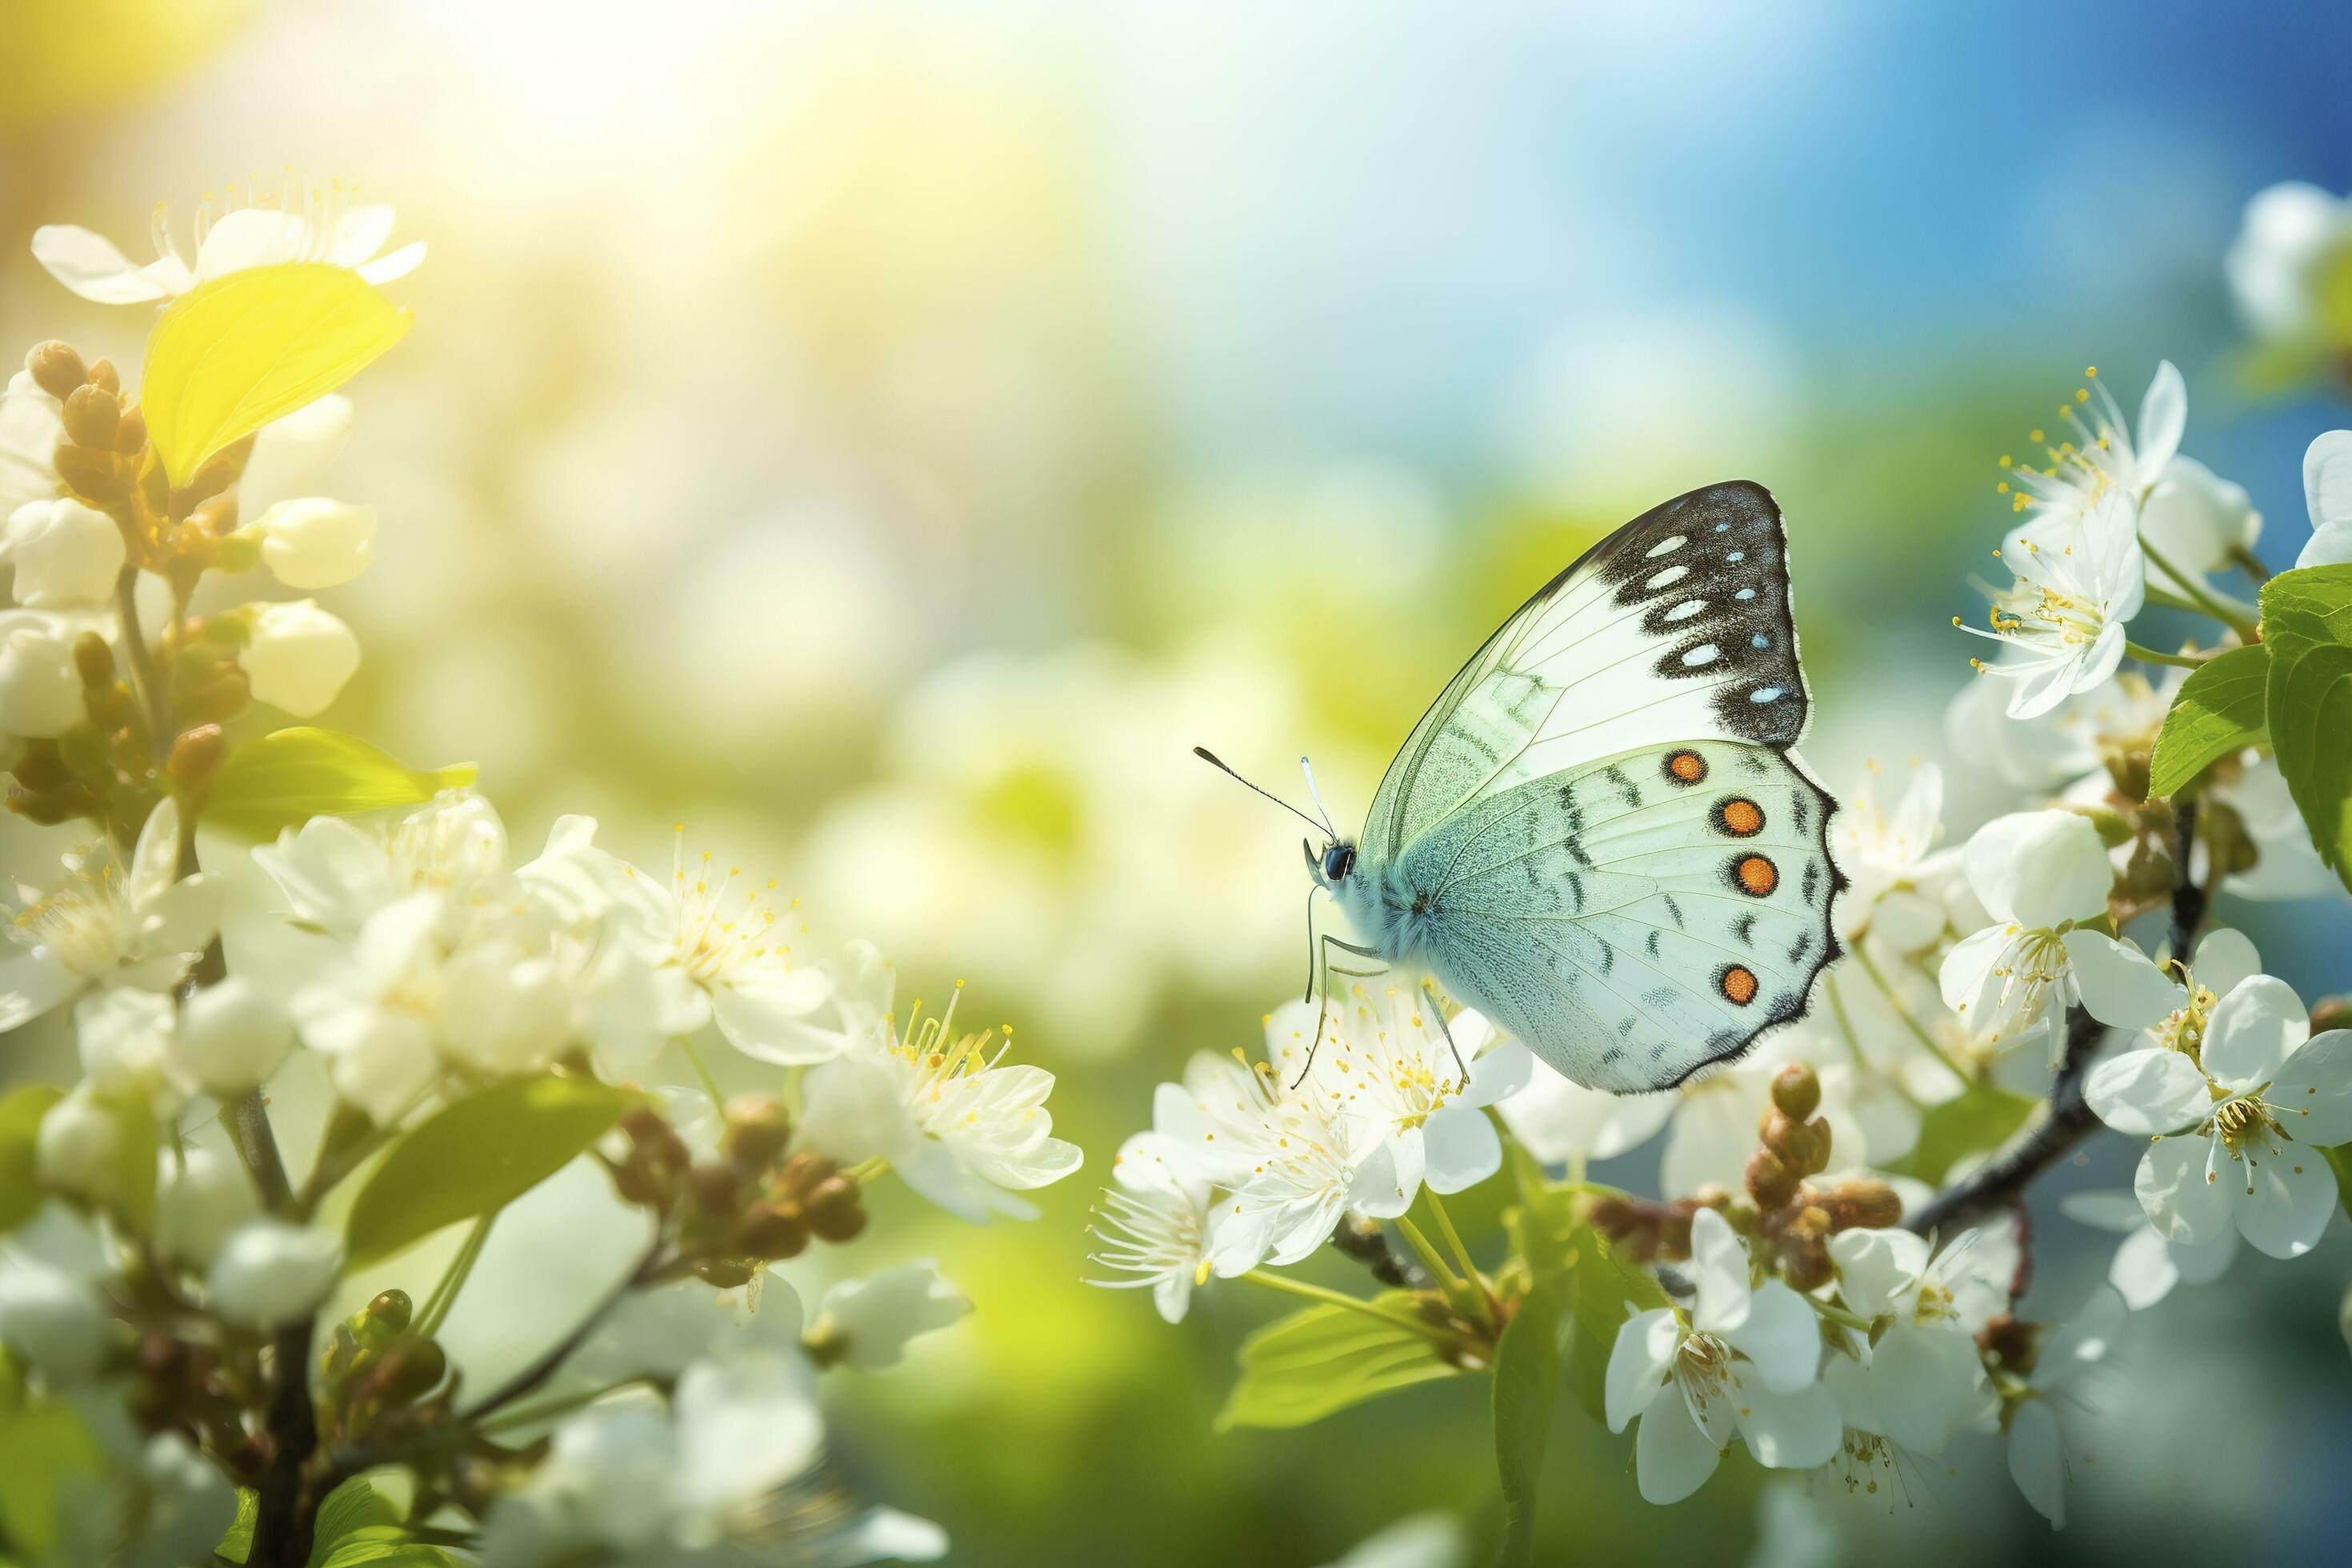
<point x="553" y="1360"/>
<point x="2002" y="1181"/>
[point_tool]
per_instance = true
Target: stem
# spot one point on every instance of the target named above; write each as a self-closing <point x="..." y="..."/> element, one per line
<point x="547" y="1409"/>
<point x="1364" y="1241"/>
<point x="1428" y="1256"/>
<point x="144" y="677"/>
<point x="1472" y="1278"/>
<point x="2245" y="561"/>
<point x="1330" y="1298"/>
<point x="247" y="1121"/>
<point x="2239" y="618"/>
<point x="284" y="1518"/>
<point x="709" y="1084"/>
<point x="453" y="1279"/>
<point x="1886" y="989"/>
<point x="2150" y="656"/>
<point x="1838" y="1315"/>
<point x="553" y="1360"/>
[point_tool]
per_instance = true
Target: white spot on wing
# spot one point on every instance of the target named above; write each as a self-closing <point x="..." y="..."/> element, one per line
<point x="1687" y="609"/>
<point x="1765" y="694"/>
<point x="1665" y="547"/>
<point x="1672" y="574"/>
<point x="1701" y="654"/>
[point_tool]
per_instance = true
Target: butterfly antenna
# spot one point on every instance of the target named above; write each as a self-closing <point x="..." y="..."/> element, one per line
<point x="1218" y="762"/>
<point x="1317" y="796"/>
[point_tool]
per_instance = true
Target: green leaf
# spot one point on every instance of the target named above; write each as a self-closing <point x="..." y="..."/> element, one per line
<point x="352" y="1506"/>
<point x="2307" y="625"/>
<point x="1980" y="1119"/>
<point x="234" y="353"/>
<point x="2218" y="713"/>
<point x="20" y="1129"/>
<point x="238" y="1544"/>
<point x="42" y="1445"/>
<point x="287" y="777"/>
<point x="1608" y="1289"/>
<point x="2339" y="1160"/>
<point x="1526" y="1380"/>
<point x="477" y="1154"/>
<point x="136" y="1146"/>
<point x="1311" y="1363"/>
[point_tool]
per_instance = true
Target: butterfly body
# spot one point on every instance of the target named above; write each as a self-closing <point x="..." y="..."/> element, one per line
<point x="1596" y="836"/>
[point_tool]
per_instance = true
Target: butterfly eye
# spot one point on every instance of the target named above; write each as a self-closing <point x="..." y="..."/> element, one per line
<point x="1738" y="984"/>
<point x="1738" y="816"/>
<point x="1755" y="874"/>
<point x="1686" y="767"/>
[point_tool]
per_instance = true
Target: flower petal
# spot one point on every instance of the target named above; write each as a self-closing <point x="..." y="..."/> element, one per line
<point x="2102" y="1210"/>
<point x="2172" y="1185"/>
<point x="2082" y="1341"/>
<point x="251" y="237"/>
<point x="91" y="265"/>
<point x="1459" y="1146"/>
<point x="2312" y="1092"/>
<point x="1876" y="1268"/>
<point x="2223" y="959"/>
<point x="1672" y="1457"/>
<point x="1781" y="1337"/>
<point x="2163" y="416"/>
<point x="395" y="264"/>
<point x="1718" y="1264"/>
<point x="1930" y="1384"/>
<point x="2143" y="1269"/>
<point x="1638" y="1363"/>
<point x="2121" y="985"/>
<point x="2037" y="1460"/>
<point x="2281" y="1201"/>
<point x="31" y="983"/>
<point x="2147" y="1092"/>
<point x="1790" y="1431"/>
<point x="2251" y="1031"/>
<point x="2326" y="472"/>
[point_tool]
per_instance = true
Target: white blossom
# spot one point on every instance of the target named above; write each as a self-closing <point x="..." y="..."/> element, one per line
<point x="2327" y="492"/>
<point x="2238" y="1115"/>
<point x="32" y="425"/>
<point x="231" y="1037"/>
<point x="255" y="228"/>
<point x="867" y="1323"/>
<point x="2060" y="624"/>
<point x="959" y="1125"/>
<point x="1924" y="1378"/>
<point x="2105" y="460"/>
<point x="1891" y="861"/>
<point x="336" y="872"/>
<point x="2147" y="1265"/>
<point x="2068" y="1357"/>
<point x="67" y="555"/>
<point x="268" y="1272"/>
<point x="105" y="924"/>
<point x="200" y="1199"/>
<point x="2037" y="873"/>
<point x="1745" y="1359"/>
<point x="125" y="1040"/>
<point x="52" y="1321"/>
<point x="2292" y="236"/>
<point x="316" y="542"/>
<point x="40" y="686"/>
<point x="298" y="656"/>
<point x="1153" y="1224"/>
<point x="73" y="1153"/>
<point x="1559" y="1121"/>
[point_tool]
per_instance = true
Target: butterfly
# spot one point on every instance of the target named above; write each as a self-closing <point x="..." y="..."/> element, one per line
<point x="1598" y="835"/>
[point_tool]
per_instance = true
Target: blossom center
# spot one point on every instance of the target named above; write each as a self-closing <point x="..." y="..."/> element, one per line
<point x="81" y="921"/>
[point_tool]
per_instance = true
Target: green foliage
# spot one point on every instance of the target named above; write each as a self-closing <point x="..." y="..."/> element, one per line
<point x="136" y="1145"/>
<point x="238" y="1544"/>
<point x="43" y="1445"/>
<point x="1326" y="1358"/>
<point x="476" y="1155"/>
<point x="2218" y="713"/>
<point x="285" y="778"/>
<point x="2339" y="1160"/>
<point x="356" y="1528"/>
<point x="1981" y="1118"/>
<point x="1609" y="1290"/>
<point x="20" y="1128"/>
<point x="2307" y="625"/>
<point x="1526" y="1380"/>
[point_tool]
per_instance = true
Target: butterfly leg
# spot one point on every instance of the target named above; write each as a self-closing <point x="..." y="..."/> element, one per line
<point x="1446" y="1030"/>
<point x="1327" y="969"/>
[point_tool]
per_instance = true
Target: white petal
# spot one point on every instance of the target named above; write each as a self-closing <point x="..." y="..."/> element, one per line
<point x="2202" y="1262"/>
<point x="2173" y="1188"/>
<point x="2121" y="985"/>
<point x="2330" y="545"/>
<point x="1460" y="1147"/>
<point x="2327" y="475"/>
<point x="769" y="1020"/>
<point x="1966" y="976"/>
<point x="359" y="232"/>
<point x="1791" y="1431"/>
<point x="91" y="265"/>
<point x="1930" y="1384"/>
<point x="1672" y="1457"/>
<point x="1878" y="1267"/>
<point x="2223" y="959"/>
<point x="2251" y="1031"/>
<point x="1718" y="1263"/>
<point x="2312" y="1093"/>
<point x="2147" y="1091"/>
<point x="2037" y="1460"/>
<point x="1496" y="1073"/>
<point x="2143" y="1269"/>
<point x="2281" y="1201"/>
<point x="1781" y="1337"/>
<point x="2163" y="414"/>
<point x="2061" y="871"/>
<point x="1390" y="1178"/>
<point x="31" y="983"/>
<point x="395" y="265"/>
<point x="1638" y="1363"/>
<point x="2116" y="1211"/>
<point x="2082" y="1341"/>
<point x="251" y="237"/>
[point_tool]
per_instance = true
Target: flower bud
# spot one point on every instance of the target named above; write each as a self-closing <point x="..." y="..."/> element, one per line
<point x="724" y="1273"/>
<point x="1863" y="1204"/>
<point x="198" y="1203"/>
<point x="74" y="1152"/>
<point x="130" y="432"/>
<point x="714" y="1189"/>
<point x="269" y="1272"/>
<point x="232" y="1036"/>
<point x="1712" y="1195"/>
<point x="101" y="373"/>
<point x="316" y="542"/>
<point x="1796" y="1091"/>
<point x="758" y="1128"/>
<point x="836" y="1208"/>
<point x="67" y="555"/>
<point x="387" y="1314"/>
<point x="91" y="414"/>
<point x="51" y="1322"/>
<point x="94" y="661"/>
<point x="56" y="368"/>
<point x="771" y="1232"/>
<point x="409" y="1370"/>
<point x="300" y="655"/>
<point x="1805" y="1262"/>
<point x="40" y="685"/>
<point x="99" y="476"/>
<point x="1770" y="1180"/>
<point x="2008" y="1344"/>
<point x="196" y="755"/>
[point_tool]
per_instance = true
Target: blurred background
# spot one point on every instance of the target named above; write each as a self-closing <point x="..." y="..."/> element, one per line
<point x="887" y="436"/>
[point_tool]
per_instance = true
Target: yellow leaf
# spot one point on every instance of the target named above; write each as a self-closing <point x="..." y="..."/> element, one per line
<point x="232" y="354"/>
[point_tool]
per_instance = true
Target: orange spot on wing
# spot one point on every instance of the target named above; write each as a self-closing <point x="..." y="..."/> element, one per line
<point x="1757" y="876"/>
<point x="1739" y="817"/>
<point x="1738" y="984"/>
<point x="1686" y="767"/>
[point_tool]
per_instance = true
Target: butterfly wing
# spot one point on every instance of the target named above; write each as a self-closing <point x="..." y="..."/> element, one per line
<point x="1670" y="638"/>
